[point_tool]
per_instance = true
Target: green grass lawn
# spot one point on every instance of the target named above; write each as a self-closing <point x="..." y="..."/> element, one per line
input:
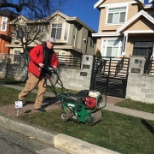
<point x="9" y="96"/>
<point x="122" y="133"/>
<point x="125" y="134"/>
<point x="128" y="103"/>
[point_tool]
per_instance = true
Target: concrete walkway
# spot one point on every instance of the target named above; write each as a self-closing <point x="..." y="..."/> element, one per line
<point x="131" y="112"/>
<point x="64" y="142"/>
<point x="110" y="105"/>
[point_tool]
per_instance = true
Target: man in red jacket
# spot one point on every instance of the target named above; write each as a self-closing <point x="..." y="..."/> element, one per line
<point x="41" y="57"/>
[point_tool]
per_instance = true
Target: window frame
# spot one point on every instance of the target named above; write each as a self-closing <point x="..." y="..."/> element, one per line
<point x="116" y="6"/>
<point x="104" y="47"/>
<point x="16" y="57"/>
<point x="4" y="23"/>
<point x="64" y="31"/>
<point x="142" y="47"/>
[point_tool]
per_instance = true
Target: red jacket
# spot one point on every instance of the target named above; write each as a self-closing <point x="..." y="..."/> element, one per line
<point x="36" y="57"/>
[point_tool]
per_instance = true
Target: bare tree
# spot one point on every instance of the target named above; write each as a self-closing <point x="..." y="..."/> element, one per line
<point x="34" y="8"/>
<point x="28" y="31"/>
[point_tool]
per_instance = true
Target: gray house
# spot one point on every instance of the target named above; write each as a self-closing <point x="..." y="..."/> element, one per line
<point x="73" y="37"/>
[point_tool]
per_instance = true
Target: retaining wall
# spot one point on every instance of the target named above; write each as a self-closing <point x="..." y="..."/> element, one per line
<point x="72" y="78"/>
<point x="140" y="87"/>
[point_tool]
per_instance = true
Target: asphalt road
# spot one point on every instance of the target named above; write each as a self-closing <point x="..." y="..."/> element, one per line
<point x="14" y="143"/>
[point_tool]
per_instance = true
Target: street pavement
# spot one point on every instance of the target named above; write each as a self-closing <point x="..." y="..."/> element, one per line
<point x="64" y="142"/>
<point x="15" y="143"/>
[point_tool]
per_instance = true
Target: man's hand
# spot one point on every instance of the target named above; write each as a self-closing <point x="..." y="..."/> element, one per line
<point x="55" y="68"/>
<point x="41" y="65"/>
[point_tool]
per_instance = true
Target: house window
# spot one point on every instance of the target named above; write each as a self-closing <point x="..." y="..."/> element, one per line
<point x="42" y="28"/>
<point x="60" y="31"/>
<point x="56" y="31"/>
<point x="152" y="14"/>
<point x="4" y="24"/>
<point x="112" y="48"/>
<point x="116" y="15"/>
<point x="66" y="31"/>
<point x="92" y="42"/>
<point x="16" y="56"/>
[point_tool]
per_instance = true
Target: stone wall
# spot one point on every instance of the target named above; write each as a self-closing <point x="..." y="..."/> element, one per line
<point x="72" y="78"/>
<point x="140" y="87"/>
<point x="77" y="79"/>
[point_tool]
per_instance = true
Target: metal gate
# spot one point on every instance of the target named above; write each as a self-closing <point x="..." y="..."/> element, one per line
<point x="109" y="75"/>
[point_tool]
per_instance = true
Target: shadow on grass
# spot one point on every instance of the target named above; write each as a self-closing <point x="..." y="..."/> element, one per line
<point x="50" y="101"/>
<point x="148" y="126"/>
<point x="5" y="81"/>
<point x="27" y="102"/>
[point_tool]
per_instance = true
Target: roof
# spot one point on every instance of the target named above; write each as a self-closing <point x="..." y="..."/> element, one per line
<point x="18" y="19"/>
<point x="70" y="19"/>
<point x="8" y="13"/>
<point x="134" y="19"/>
<point x="58" y="13"/>
<point x="101" y="1"/>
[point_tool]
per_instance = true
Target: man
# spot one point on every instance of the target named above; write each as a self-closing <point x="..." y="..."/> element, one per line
<point x="41" y="57"/>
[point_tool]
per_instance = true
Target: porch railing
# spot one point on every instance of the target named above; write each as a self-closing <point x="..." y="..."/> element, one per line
<point x="149" y="67"/>
<point x="63" y="60"/>
<point x="69" y="60"/>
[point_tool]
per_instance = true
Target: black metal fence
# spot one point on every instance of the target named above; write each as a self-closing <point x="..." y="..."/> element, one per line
<point x="69" y="60"/>
<point x="15" y="66"/>
<point x="109" y="75"/>
<point x="64" y="60"/>
<point x="149" y="67"/>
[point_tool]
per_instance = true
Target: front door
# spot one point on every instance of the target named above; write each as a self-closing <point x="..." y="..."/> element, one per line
<point x="143" y="49"/>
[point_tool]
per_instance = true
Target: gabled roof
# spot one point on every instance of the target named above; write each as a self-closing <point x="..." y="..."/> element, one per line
<point x="8" y="13"/>
<point x="19" y="18"/>
<point x="57" y="13"/>
<point x="101" y="1"/>
<point x="134" y="19"/>
<point x="70" y="19"/>
<point x="98" y="3"/>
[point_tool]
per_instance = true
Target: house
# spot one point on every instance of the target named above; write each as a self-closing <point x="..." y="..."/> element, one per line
<point x="5" y="17"/>
<point x="73" y="37"/>
<point x="126" y="28"/>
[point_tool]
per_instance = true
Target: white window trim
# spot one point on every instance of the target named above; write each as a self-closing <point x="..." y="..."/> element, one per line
<point x="104" y="53"/>
<point x="115" y="6"/>
<point x="63" y="31"/>
<point x="2" y="23"/>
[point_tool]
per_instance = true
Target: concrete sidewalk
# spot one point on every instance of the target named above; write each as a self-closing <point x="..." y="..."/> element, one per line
<point x="131" y="112"/>
<point x="64" y="142"/>
<point x="110" y="105"/>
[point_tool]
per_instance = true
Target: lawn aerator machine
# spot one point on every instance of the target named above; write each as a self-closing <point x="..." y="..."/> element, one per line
<point x="84" y="107"/>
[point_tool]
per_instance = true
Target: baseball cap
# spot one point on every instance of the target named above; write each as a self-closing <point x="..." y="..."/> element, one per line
<point x="52" y="40"/>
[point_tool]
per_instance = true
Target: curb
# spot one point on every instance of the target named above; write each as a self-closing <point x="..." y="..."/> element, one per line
<point x="60" y="141"/>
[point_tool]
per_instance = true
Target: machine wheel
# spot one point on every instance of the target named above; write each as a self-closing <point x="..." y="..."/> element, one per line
<point x="88" y="120"/>
<point x="93" y="118"/>
<point x="65" y="116"/>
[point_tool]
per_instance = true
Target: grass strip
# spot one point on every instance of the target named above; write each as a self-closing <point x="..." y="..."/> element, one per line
<point x="137" y="105"/>
<point x="117" y="132"/>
